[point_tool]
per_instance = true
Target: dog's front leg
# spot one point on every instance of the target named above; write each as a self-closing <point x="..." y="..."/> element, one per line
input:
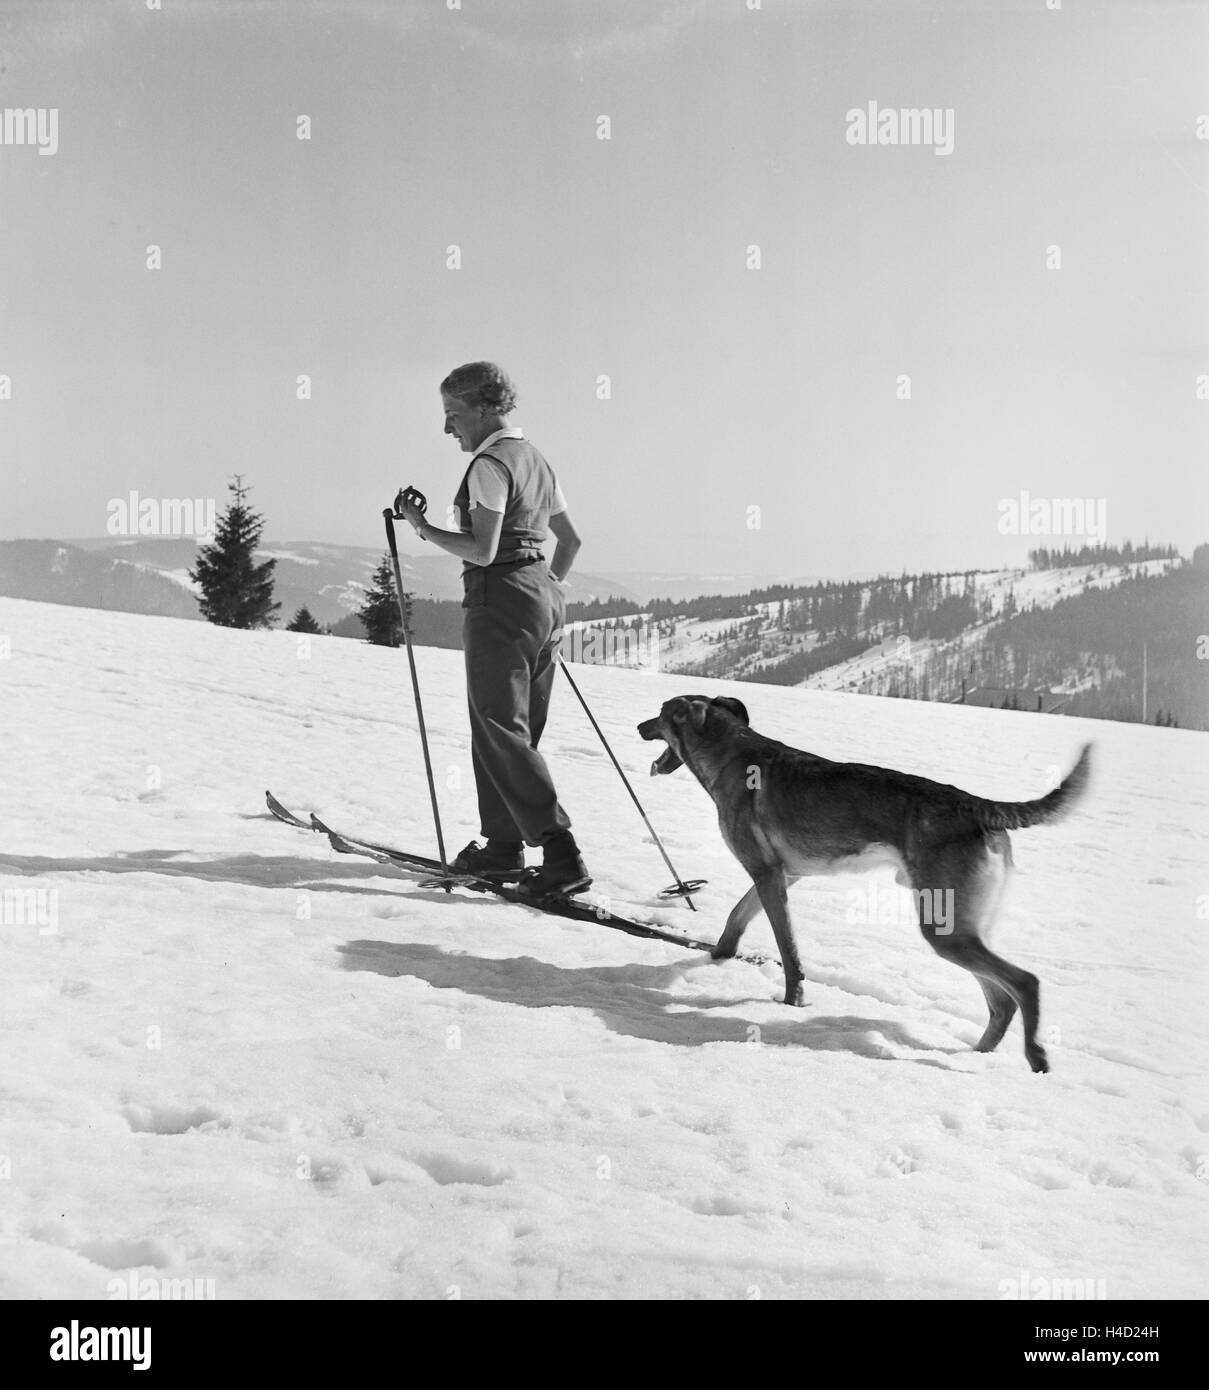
<point x="736" y="924"/>
<point x="774" y="897"/>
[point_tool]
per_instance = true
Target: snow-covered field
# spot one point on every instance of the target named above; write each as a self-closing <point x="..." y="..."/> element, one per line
<point x="234" y="1057"/>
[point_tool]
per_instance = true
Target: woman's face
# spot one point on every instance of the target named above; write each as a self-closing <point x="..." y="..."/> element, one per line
<point x="464" y="422"/>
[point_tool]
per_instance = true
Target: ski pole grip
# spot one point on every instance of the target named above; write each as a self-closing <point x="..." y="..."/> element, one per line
<point x="410" y="497"/>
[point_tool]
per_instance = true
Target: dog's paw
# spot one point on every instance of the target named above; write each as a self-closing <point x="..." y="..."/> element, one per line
<point x="795" y="995"/>
<point x="1037" y="1058"/>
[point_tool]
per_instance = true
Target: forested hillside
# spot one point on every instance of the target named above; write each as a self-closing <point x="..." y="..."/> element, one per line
<point x="1071" y="634"/>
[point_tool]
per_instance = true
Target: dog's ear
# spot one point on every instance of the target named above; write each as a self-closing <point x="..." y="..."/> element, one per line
<point x="736" y="707"/>
<point x="693" y="709"/>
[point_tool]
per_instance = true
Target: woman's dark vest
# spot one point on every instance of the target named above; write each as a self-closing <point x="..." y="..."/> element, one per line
<point x="531" y="487"/>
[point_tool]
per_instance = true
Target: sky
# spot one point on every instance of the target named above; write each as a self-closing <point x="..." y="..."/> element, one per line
<point x="1039" y="287"/>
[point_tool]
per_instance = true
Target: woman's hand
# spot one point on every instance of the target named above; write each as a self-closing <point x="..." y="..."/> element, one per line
<point x="412" y="514"/>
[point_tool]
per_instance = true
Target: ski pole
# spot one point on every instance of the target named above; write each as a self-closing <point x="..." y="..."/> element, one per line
<point x="681" y="889"/>
<point x="415" y="686"/>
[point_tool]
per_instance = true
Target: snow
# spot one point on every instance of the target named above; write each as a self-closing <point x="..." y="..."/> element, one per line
<point x="181" y="577"/>
<point x="235" y="1056"/>
<point x="263" y="553"/>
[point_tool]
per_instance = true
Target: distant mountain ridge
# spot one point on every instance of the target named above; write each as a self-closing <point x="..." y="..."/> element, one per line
<point x="49" y="571"/>
<point x="330" y="580"/>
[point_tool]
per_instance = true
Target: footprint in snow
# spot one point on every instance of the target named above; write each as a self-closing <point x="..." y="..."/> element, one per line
<point x="899" y="1163"/>
<point x="447" y="1170"/>
<point x="722" y="1206"/>
<point x="167" y="1119"/>
<point x="125" y="1254"/>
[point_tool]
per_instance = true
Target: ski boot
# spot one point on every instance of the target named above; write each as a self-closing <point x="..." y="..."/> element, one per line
<point x="562" y="873"/>
<point x="498" y="861"/>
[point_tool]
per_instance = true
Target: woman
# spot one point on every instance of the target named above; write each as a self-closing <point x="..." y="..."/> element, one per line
<point x="508" y="499"/>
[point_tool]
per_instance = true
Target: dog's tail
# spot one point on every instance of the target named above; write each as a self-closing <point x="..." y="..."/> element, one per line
<point x="1019" y="815"/>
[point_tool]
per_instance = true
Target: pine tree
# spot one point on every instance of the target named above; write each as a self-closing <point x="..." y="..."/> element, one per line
<point x="303" y="621"/>
<point x="236" y="592"/>
<point x="380" y="611"/>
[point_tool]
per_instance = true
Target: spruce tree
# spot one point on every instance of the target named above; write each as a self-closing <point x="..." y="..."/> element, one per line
<point x="303" y="621"/>
<point x="236" y="591"/>
<point x="380" y="611"/>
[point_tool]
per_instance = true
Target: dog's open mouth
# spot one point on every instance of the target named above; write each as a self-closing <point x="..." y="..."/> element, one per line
<point x="666" y="762"/>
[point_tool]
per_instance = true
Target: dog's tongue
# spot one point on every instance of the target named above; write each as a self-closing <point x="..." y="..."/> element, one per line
<point x="666" y="762"/>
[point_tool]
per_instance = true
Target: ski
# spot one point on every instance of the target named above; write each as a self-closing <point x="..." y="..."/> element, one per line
<point x="278" y="810"/>
<point x="573" y="908"/>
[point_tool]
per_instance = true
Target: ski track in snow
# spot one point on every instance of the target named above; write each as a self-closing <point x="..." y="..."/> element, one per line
<point x="235" y="1055"/>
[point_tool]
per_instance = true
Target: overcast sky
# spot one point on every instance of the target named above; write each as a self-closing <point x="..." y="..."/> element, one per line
<point x="755" y="423"/>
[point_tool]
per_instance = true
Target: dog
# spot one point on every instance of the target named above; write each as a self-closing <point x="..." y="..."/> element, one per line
<point x="785" y="813"/>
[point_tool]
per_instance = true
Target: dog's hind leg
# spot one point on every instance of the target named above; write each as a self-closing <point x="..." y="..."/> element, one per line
<point x="976" y="882"/>
<point x="1003" y="1010"/>
<point x="1021" y="986"/>
<point x="1000" y="1003"/>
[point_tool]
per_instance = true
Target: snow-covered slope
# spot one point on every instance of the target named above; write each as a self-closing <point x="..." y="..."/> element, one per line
<point x="874" y="668"/>
<point x="692" y="641"/>
<point x="233" y="1056"/>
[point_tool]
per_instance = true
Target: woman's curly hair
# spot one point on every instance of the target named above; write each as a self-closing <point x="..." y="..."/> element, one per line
<point x="481" y="383"/>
